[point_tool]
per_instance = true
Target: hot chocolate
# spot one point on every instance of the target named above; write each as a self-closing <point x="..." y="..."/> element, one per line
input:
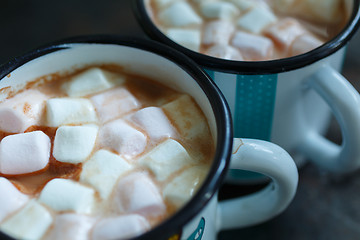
<point x="98" y="154"/>
<point x="248" y="30"/>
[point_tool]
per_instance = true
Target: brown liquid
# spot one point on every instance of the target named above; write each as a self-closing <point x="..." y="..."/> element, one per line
<point x="321" y="31"/>
<point x="147" y="92"/>
<point x="33" y="183"/>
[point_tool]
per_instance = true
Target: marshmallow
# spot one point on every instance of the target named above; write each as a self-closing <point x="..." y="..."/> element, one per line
<point x="121" y="227"/>
<point x="73" y="144"/>
<point x="31" y="222"/>
<point x="179" y="14"/>
<point x="22" y="111"/>
<point x="184" y="186"/>
<point x="102" y="171"/>
<point x="92" y="81"/>
<point x="61" y="111"/>
<point x="194" y="125"/>
<point x="119" y="136"/>
<point x="154" y="122"/>
<point x="114" y="103"/>
<point x="304" y="44"/>
<point x="189" y="38"/>
<point x="323" y="11"/>
<point x="256" y="19"/>
<point x="11" y="199"/>
<point x="24" y="152"/>
<point x="166" y="159"/>
<point x="245" y="5"/>
<point x="253" y="47"/>
<point x="220" y="10"/>
<point x="285" y="31"/>
<point x="160" y="4"/>
<point x="224" y="52"/>
<point x="137" y="193"/>
<point x="218" y="32"/>
<point x="67" y="195"/>
<point x="71" y="226"/>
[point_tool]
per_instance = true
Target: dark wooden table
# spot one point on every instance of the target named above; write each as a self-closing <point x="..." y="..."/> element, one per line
<point x="325" y="207"/>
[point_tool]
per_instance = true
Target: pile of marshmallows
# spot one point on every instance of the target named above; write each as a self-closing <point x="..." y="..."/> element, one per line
<point x="247" y="30"/>
<point x="125" y="151"/>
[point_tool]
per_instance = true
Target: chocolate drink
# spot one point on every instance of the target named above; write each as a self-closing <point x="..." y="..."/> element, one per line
<point x="248" y="30"/>
<point x="98" y="153"/>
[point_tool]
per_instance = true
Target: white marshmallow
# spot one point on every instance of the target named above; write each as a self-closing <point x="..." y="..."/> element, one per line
<point x="245" y="5"/>
<point x="121" y="227"/>
<point x="160" y="4"/>
<point x="67" y="195"/>
<point x="137" y="193"/>
<point x="304" y="44"/>
<point x="194" y="125"/>
<point x="218" y="32"/>
<point x="154" y="122"/>
<point x="92" y="81"/>
<point x="165" y="159"/>
<point x="119" y="136"/>
<point x="24" y="152"/>
<point x="256" y="19"/>
<point x="179" y="14"/>
<point x="31" y="222"/>
<point x="22" y="111"/>
<point x="71" y="226"/>
<point x="193" y="128"/>
<point x="285" y="31"/>
<point x="253" y="47"/>
<point x="224" y="52"/>
<point x="61" y="111"/>
<point x="189" y="38"/>
<point x="73" y="144"/>
<point x="325" y="11"/>
<point x="219" y="10"/>
<point x="184" y="186"/>
<point x="102" y="171"/>
<point x="114" y="103"/>
<point x="11" y="199"/>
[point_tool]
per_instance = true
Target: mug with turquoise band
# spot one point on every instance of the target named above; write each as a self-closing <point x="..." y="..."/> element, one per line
<point x="288" y="101"/>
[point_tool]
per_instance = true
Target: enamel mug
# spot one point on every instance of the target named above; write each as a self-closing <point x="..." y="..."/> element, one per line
<point x="288" y="101"/>
<point x="204" y="215"/>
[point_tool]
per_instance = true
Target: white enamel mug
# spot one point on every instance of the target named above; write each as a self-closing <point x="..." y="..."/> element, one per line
<point x="288" y="101"/>
<point x="203" y="216"/>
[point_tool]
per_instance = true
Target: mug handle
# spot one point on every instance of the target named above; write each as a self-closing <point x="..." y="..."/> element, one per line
<point x="344" y="101"/>
<point x="268" y="159"/>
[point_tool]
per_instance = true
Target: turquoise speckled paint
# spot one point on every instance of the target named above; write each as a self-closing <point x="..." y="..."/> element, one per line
<point x="254" y="106"/>
<point x="252" y="100"/>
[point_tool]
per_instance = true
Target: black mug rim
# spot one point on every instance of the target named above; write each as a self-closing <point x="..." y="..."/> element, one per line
<point x="174" y="224"/>
<point x="253" y="67"/>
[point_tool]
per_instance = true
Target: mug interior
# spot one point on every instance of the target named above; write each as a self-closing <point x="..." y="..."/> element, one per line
<point x="148" y="59"/>
<point x="253" y="67"/>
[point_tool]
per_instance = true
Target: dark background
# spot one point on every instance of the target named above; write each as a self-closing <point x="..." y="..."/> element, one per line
<point x="325" y="207"/>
